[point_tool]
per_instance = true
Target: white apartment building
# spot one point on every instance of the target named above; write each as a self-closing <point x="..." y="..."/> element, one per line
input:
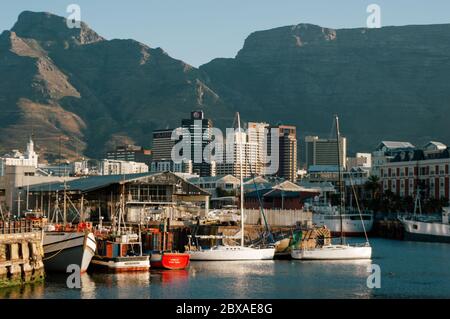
<point x="257" y="134"/>
<point x="171" y="166"/>
<point x="363" y="160"/>
<point x="115" y="167"/>
<point x="231" y="162"/>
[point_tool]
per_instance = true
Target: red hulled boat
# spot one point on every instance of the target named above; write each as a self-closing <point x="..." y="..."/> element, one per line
<point x="169" y="260"/>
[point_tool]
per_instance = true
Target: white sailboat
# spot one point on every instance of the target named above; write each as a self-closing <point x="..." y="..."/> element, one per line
<point x="230" y="253"/>
<point x="342" y="251"/>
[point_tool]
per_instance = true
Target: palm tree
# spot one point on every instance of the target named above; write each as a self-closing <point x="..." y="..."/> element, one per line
<point x="373" y="186"/>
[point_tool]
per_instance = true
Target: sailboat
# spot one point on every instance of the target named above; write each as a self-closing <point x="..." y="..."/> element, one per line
<point x="340" y="251"/>
<point x="231" y="253"/>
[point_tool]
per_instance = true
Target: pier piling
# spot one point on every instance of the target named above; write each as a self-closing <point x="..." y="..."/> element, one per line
<point x="21" y="254"/>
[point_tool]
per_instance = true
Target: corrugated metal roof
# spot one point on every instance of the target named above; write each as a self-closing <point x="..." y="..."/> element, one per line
<point x="89" y="183"/>
<point x="211" y="179"/>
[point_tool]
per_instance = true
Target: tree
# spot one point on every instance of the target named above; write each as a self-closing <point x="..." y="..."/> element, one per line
<point x="373" y="186"/>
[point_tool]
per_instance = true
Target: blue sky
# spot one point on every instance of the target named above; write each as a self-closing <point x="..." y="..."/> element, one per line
<point x="197" y="31"/>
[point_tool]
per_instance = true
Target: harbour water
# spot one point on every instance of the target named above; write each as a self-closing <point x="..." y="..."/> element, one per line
<point x="408" y="270"/>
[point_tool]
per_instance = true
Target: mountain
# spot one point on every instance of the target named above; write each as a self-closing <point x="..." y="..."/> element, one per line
<point x="388" y="83"/>
<point x="79" y="93"/>
<point x="74" y="90"/>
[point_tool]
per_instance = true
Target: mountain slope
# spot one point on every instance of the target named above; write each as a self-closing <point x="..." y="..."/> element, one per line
<point x="93" y="92"/>
<point x="388" y="83"/>
<point x="79" y="93"/>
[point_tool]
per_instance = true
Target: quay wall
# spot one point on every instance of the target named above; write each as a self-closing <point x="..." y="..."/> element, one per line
<point x="386" y="228"/>
<point x="21" y="254"/>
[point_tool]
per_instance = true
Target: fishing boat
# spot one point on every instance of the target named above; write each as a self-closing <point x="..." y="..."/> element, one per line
<point x="340" y="251"/>
<point x="419" y="227"/>
<point x="120" y="250"/>
<point x="122" y="253"/>
<point x="162" y="255"/>
<point x="67" y="245"/>
<point x="169" y="260"/>
<point x="222" y="252"/>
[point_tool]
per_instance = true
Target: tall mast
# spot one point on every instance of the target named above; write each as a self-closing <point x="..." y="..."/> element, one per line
<point x="241" y="179"/>
<point x="341" y="193"/>
<point x="65" y="205"/>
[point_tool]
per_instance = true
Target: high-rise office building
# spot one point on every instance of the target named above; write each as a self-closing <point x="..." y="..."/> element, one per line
<point x="162" y="145"/>
<point x="324" y="152"/>
<point x="287" y="151"/>
<point x="232" y="164"/>
<point x="200" y="133"/>
<point x="130" y="153"/>
<point x="257" y="135"/>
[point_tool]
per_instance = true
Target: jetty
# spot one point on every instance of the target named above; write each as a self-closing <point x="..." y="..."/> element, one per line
<point x="21" y="253"/>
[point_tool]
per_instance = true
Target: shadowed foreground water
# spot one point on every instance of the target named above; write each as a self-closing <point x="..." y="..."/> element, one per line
<point x="408" y="270"/>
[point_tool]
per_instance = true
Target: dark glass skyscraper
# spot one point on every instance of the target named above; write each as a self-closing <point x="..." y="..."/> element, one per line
<point x="200" y="134"/>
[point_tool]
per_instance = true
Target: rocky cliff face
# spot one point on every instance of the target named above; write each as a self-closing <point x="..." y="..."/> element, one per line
<point x="389" y="83"/>
<point x="74" y="86"/>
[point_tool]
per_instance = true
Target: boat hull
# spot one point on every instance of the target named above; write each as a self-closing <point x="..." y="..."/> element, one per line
<point x="171" y="261"/>
<point x="351" y="224"/>
<point x="121" y="264"/>
<point x="333" y="252"/>
<point x="426" y="231"/>
<point x="231" y="253"/>
<point x="62" y="249"/>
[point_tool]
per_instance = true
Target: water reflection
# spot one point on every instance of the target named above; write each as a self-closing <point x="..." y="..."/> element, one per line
<point x="234" y="268"/>
<point x="27" y="291"/>
<point x="408" y="269"/>
<point x="169" y="276"/>
<point x="88" y="287"/>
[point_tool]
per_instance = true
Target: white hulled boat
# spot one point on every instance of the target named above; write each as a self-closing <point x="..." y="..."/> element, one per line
<point x="341" y="251"/>
<point x="66" y="244"/>
<point x="353" y="223"/>
<point x="64" y="248"/>
<point x="425" y="228"/>
<point x="224" y="252"/>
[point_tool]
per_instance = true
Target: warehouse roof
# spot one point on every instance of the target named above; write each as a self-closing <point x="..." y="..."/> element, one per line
<point x="92" y="183"/>
<point x="88" y="183"/>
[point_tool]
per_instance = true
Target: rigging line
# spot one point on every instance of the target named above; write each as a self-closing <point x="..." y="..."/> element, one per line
<point x="340" y="179"/>
<point x="261" y="207"/>
<point x="357" y="205"/>
<point x="58" y="252"/>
